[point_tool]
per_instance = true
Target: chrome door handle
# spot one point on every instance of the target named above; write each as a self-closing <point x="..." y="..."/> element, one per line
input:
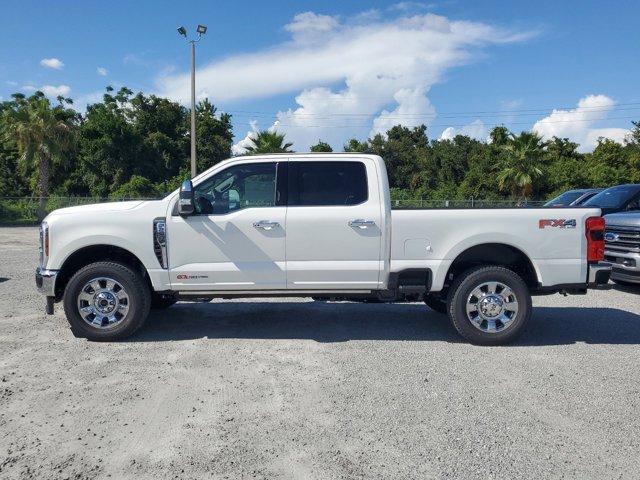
<point x="266" y="225"/>
<point x="360" y="223"/>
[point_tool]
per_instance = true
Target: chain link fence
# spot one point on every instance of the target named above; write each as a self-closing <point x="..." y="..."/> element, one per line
<point x="471" y="203"/>
<point x="24" y="210"/>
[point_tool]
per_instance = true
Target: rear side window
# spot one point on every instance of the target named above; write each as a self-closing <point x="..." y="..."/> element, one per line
<point x="327" y="183"/>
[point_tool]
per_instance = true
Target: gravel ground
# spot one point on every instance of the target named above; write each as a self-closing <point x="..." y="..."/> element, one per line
<point x="309" y="390"/>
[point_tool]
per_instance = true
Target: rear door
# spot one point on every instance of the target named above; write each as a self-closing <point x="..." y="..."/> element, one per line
<point x="333" y="225"/>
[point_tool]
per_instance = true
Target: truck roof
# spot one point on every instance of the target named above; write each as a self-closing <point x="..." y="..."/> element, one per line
<point x="291" y="156"/>
<point x="294" y="156"/>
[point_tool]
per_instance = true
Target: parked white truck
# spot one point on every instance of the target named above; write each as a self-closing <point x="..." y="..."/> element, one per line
<point x="316" y="225"/>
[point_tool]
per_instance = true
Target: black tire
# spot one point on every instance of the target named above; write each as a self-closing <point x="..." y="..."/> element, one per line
<point x="139" y="301"/>
<point x="436" y="303"/>
<point x="462" y="288"/>
<point x="161" y="302"/>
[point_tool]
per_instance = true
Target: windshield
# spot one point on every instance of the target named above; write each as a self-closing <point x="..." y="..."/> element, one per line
<point x="614" y="197"/>
<point x="565" y="199"/>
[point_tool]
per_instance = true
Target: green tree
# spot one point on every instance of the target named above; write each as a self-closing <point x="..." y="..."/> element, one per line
<point x="356" y="146"/>
<point x="136" y="187"/>
<point x="404" y="150"/>
<point x="267" y="141"/>
<point x="499" y="136"/>
<point x="632" y="148"/>
<point x="449" y="162"/>
<point x="214" y="135"/>
<point x="608" y="164"/>
<point x="126" y="135"/>
<point x="41" y="132"/>
<point x="321" y="147"/>
<point x="564" y="168"/>
<point x="522" y="164"/>
<point x="12" y="183"/>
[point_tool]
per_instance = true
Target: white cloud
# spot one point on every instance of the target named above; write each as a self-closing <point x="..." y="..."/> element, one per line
<point x="49" y="90"/>
<point x="11" y="83"/>
<point x="580" y="124"/>
<point x="411" y="6"/>
<point x="103" y="72"/>
<point x="413" y="108"/>
<point x="80" y="102"/>
<point x="54" y="63"/>
<point x="476" y="129"/>
<point x="305" y="26"/>
<point x="54" y="91"/>
<point x="511" y="104"/>
<point x="381" y="67"/>
<point x="240" y="148"/>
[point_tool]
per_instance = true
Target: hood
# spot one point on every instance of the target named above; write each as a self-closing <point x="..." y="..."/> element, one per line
<point x="98" y="208"/>
<point x="629" y="219"/>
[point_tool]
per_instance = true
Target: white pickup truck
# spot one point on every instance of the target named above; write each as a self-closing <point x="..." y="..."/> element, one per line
<point x="316" y="225"/>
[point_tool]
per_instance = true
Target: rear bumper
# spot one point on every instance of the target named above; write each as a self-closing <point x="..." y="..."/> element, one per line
<point x="46" y="281"/>
<point x="599" y="274"/>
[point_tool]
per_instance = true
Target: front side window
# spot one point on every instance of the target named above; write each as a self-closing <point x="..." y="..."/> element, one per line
<point x="327" y="183"/>
<point x="248" y="185"/>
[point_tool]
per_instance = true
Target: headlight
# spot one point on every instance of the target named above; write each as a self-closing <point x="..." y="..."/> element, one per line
<point x="44" y="244"/>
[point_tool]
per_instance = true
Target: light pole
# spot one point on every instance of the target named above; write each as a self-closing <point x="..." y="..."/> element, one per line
<point x="201" y="30"/>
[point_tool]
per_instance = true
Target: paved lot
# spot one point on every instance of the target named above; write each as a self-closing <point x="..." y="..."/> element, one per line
<point x="308" y="390"/>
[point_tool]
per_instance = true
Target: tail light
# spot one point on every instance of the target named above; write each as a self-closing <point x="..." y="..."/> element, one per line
<point x="595" y="239"/>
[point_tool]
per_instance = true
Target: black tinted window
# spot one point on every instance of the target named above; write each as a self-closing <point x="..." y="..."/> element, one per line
<point x="327" y="183"/>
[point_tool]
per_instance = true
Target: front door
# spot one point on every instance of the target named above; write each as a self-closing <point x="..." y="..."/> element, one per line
<point x="334" y="225"/>
<point x="236" y="238"/>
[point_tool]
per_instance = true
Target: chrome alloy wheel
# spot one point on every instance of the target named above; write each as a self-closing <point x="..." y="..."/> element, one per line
<point x="492" y="307"/>
<point x="103" y="302"/>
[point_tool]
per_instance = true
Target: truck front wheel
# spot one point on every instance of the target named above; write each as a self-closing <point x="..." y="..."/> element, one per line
<point x="489" y="305"/>
<point x="106" y="301"/>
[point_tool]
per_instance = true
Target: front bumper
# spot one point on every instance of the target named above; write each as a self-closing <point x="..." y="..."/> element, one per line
<point x="599" y="274"/>
<point x="626" y="265"/>
<point x="46" y="281"/>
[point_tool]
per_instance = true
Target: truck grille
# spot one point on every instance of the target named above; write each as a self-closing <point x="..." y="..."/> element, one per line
<point x="622" y="239"/>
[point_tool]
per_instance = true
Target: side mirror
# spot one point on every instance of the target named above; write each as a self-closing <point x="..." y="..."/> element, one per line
<point x="186" y="202"/>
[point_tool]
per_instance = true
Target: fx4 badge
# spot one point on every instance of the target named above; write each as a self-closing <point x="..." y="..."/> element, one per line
<point x="557" y="223"/>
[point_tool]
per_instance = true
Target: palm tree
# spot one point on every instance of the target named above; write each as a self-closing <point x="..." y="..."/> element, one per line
<point x="41" y="133"/>
<point x="521" y="166"/>
<point x="267" y="141"/>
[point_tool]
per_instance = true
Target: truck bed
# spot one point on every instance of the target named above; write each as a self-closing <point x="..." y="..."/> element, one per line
<point x="436" y="236"/>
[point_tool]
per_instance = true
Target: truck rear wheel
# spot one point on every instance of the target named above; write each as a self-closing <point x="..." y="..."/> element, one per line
<point x="489" y="305"/>
<point x="106" y="301"/>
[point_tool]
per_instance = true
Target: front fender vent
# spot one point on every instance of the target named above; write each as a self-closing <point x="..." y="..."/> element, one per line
<point x="160" y="241"/>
